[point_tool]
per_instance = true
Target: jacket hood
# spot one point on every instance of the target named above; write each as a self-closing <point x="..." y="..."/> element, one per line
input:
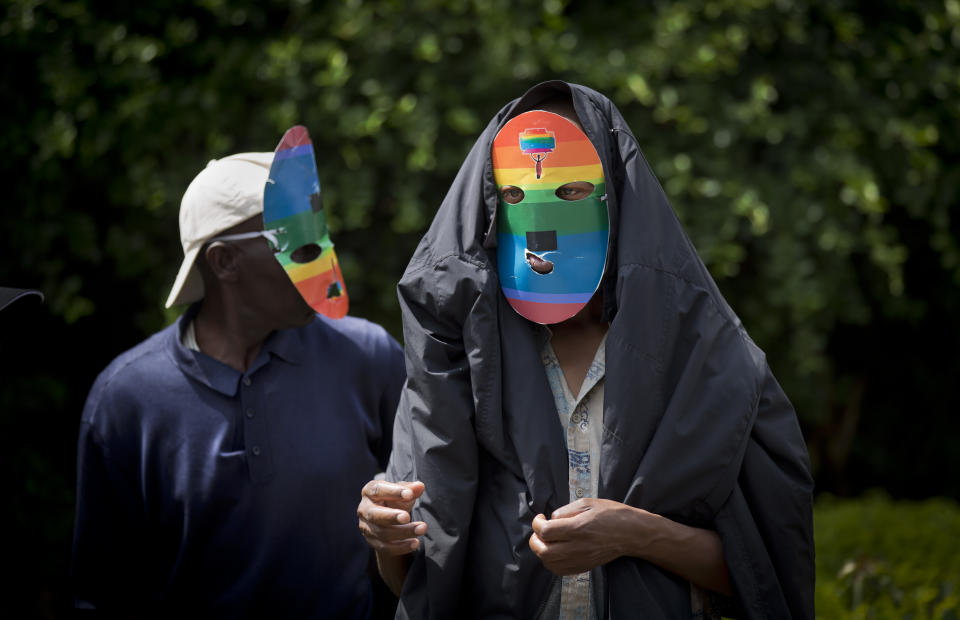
<point x="656" y="237"/>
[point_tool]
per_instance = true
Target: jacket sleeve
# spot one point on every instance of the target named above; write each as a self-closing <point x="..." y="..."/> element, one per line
<point x="434" y="438"/>
<point x="767" y="522"/>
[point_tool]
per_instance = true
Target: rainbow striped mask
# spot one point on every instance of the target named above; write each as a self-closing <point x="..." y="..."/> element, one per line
<point x="293" y="210"/>
<point x="552" y="224"/>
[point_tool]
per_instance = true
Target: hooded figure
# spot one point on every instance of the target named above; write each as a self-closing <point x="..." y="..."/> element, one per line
<point x="695" y="427"/>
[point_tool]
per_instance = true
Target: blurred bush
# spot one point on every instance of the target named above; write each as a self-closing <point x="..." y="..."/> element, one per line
<point x="879" y="559"/>
<point x="811" y="148"/>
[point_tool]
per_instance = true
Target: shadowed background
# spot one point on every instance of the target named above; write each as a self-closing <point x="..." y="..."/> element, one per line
<point x="810" y="148"/>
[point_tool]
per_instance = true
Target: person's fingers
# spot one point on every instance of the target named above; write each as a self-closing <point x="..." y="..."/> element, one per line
<point x="570" y="510"/>
<point x="538" y="522"/>
<point x="382" y="515"/>
<point x="393" y="547"/>
<point x="550" y="555"/>
<point x="400" y="495"/>
<point x="555" y="557"/>
<point x="391" y="533"/>
<point x="383" y="491"/>
<point x="553" y="530"/>
<point x="537" y="545"/>
<point x="557" y="530"/>
<point x="416" y="488"/>
<point x="391" y="538"/>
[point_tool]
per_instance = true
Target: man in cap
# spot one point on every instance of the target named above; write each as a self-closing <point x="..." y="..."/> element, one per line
<point x="218" y="460"/>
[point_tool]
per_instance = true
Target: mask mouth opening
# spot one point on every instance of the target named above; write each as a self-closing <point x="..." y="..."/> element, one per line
<point x="538" y="264"/>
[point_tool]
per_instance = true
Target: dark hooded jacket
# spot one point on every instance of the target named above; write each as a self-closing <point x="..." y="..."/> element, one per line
<point x="696" y="428"/>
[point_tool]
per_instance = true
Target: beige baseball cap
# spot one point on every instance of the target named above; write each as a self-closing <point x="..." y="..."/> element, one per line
<point x="225" y="193"/>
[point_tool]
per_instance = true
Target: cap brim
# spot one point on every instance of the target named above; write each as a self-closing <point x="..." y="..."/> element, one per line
<point x="188" y="286"/>
<point x="10" y="295"/>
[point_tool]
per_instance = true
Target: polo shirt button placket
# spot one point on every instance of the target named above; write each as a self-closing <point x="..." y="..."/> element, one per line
<point x="247" y="381"/>
<point x="255" y="450"/>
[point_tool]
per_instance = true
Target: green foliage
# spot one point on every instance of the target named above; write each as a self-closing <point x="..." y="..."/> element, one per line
<point x="810" y="148"/>
<point x="795" y="138"/>
<point x="882" y="559"/>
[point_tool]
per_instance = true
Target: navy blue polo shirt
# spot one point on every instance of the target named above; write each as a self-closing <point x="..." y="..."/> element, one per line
<point x="206" y="489"/>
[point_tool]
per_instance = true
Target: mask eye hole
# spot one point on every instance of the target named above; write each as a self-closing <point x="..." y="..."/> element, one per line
<point x="511" y="194"/>
<point x="306" y="253"/>
<point x="576" y="190"/>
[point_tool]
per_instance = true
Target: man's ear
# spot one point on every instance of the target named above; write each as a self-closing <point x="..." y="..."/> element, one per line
<point x="223" y="261"/>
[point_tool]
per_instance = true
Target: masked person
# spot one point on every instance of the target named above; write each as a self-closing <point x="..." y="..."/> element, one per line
<point x="219" y="460"/>
<point x="589" y="429"/>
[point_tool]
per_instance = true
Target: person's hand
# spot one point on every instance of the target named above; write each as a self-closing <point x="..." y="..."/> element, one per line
<point x="384" y="514"/>
<point x="583" y="535"/>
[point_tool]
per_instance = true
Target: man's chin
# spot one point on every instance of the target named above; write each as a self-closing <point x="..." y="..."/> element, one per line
<point x="299" y="318"/>
<point x="308" y="316"/>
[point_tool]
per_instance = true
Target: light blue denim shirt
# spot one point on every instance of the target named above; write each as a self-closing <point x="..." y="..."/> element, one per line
<point x="582" y="418"/>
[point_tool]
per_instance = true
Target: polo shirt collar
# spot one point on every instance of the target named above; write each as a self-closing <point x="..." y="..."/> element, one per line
<point x="285" y="344"/>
